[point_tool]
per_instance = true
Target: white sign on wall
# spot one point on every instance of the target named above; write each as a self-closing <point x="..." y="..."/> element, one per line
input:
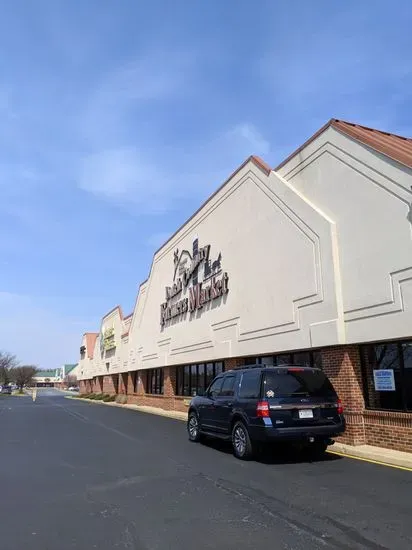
<point x="384" y="380"/>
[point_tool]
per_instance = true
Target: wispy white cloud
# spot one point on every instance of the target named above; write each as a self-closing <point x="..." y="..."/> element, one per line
<point x="128" y="175"/>
<point x="118" y="174"/>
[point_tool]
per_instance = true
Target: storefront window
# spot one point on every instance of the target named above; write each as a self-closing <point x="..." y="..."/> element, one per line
<point x="192" y="379"/>
<point x="407" y="373"/>
<point x="154" y="381"/>
<point x="311" y="358"/>
<point x="209" y="374"/>
<point x="134" y="381"/>
<point x="387" y="375"/>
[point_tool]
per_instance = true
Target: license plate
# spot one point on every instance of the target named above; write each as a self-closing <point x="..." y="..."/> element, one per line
<point x="306" y="413"/>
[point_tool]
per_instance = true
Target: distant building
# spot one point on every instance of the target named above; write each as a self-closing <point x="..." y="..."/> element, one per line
<point x="59" y="377"/>
<point x="45" y="378"/>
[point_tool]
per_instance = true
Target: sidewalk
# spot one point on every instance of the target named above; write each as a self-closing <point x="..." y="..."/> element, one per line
<point x="363" y="452"/>
<point x="374" y="454"/>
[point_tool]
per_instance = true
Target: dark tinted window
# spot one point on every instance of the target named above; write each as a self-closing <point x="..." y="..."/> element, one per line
<point x="303" y="359"/>
<point x="394" y="358"/>
<point x="215" y="387"/>
<point x="250" y="385"/>
<point x="193" y="379"/>
<point x="289" y="383"/>
<point x="154" y="381"/>
<point x="227" y="386"/>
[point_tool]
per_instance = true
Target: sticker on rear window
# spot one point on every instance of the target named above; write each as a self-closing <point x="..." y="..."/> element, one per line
<point x="270" y="393"/>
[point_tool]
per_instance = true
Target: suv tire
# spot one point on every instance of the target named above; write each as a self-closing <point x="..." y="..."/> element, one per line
<point x="193" y="428"/>
<point x="242" y="445"/>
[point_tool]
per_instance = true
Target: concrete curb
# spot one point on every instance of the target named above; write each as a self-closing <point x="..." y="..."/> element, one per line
<point x="139" y="408"/>
<point x="378" y="455"/>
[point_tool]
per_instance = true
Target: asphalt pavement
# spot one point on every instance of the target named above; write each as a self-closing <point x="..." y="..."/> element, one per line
<point x="78" y="475"/>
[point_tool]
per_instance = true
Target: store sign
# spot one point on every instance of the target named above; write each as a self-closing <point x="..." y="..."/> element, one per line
<point x="384" y="380"/>
<point x="197" y="280"/>
<point x="107" y="341"/>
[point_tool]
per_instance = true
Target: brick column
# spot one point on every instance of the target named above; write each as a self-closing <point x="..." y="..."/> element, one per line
<point x="96" y="385"/>
<point x="108" y="386"/>
<point x="169" y="379"/>
<point x="130" y="382"/>
<point x="123" y="383"/>
<point x="342" y="365"/>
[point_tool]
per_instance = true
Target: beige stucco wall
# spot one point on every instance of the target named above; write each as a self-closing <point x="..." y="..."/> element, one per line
<point x="317" y="254"/>
<point x="85" y="365"/>
<point x="279" y="253"/>
<point x="369" y="197"/>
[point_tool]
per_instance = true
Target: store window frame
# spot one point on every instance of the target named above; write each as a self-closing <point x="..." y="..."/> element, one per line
<point x="315" y="359"/>
<point x="196" y="376"/>
<point x="367" y="381"/>
<point x="155" y="381"/>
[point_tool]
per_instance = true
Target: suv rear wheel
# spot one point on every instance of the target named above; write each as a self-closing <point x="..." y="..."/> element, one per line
<point x="193" y="428"/>
<point x="242" y="445"/>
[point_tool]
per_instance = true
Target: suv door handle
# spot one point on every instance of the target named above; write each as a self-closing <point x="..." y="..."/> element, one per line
<point x="229" y="403"/>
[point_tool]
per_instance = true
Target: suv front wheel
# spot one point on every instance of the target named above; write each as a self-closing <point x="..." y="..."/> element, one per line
<point x="193" y="428"/>
<point x="242" y="445"/>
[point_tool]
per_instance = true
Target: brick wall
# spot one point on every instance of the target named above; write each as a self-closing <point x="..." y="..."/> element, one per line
<point x="167" y="401"/>
<point x="342" y="365"/>
<point x="392" y="430"/>
<point x="109" y="383"/>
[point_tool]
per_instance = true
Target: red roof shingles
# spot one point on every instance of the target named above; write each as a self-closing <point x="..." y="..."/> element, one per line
<point x="393" y="146"/>
<point x="396" y="147"/>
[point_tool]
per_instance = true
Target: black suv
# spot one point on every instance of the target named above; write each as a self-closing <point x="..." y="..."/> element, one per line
<point x="253" y="405"/>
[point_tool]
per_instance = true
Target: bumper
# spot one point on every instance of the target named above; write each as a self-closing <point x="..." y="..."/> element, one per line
<point x="270" y="433"/>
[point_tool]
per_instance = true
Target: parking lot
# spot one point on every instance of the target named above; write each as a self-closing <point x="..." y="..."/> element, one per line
<point x="81" y="475"/>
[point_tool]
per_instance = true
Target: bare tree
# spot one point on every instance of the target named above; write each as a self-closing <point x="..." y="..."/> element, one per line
<point x="7" y="363"/>
<point x="23" y="376"/>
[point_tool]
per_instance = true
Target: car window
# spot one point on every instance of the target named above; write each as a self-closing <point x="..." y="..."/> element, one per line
<point x="297" y="382"/>
<point x="250" y="385"/>
<point x="228" y="386"/>
<point x="215" y="387"/>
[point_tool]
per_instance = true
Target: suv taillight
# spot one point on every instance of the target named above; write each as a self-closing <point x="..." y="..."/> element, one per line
<point x="339" y="407"/>
<point x="262" y="409"/>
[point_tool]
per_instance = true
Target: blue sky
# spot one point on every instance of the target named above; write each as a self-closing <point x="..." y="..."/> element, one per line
<point x="117" y="119"/>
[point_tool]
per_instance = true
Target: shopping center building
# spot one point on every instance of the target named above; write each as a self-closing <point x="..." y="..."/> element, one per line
<point x="309" y="263"/>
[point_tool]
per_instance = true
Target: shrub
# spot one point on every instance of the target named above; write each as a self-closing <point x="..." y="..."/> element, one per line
<point x="122" y="399"/>
<point x="91" y="396"/>
<point x="108" y="398"/>
<point x="99" y="396"/>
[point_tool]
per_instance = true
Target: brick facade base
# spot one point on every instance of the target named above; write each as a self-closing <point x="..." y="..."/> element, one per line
<point x="392" y="430"/>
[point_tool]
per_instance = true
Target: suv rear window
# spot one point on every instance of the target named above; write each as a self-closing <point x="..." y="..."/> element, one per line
<point x="250" y="385"/>
<point x="291" y="382"/>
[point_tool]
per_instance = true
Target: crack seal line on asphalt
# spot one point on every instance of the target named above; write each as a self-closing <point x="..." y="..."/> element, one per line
<point x="353" y="536"/>
<point x="371" y="460"/>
